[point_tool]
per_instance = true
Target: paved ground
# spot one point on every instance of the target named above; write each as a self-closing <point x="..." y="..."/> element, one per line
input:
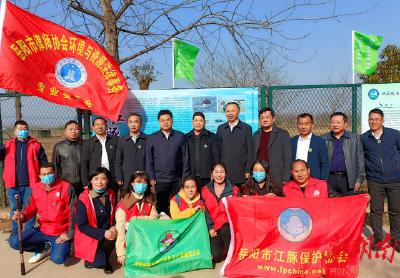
<point x="10" y="267"/>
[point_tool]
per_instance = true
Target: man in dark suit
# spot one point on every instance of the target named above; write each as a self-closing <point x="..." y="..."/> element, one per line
<point x="204" y="149"/>
<point x="167" y="160"/>
<point x="99" y="151"/>
<point x="272" y="144"/>
<point x="310" y="148"/>
<point x="131" y="151"/>
<point x="236" y="145"/>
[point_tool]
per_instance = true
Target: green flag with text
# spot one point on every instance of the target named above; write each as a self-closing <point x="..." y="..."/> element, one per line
<point x="366" y="52"/>
<point x="165" y="247"/>
<point x="184" y="58"/>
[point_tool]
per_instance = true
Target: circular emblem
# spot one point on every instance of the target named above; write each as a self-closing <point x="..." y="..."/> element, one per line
<point x="205" y="146"/>
<point x="316" y="193"/>
<point x="167" y="240"/>
<point x="139" y="146"/>
<point x="309" y="150"/>
<point x="373" y="94"/>
<point x="71" y="73"/>
<point x="58" y="194"/>
<point x="294" y="224"/>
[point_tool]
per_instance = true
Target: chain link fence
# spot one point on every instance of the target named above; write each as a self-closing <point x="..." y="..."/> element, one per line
<point x="45" y="119"/>
<point x="319" y="100"/>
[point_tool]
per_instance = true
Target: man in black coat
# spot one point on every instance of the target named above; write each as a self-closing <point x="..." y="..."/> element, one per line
<point x="99" y="151"/>
<point x="272" y="144"/>
<point x="167" y="160"/>
<point x="236" y="145"/>
<point x="67" y="156"/>
<point x="204" y="149"/>
<point x="131" y="151"/>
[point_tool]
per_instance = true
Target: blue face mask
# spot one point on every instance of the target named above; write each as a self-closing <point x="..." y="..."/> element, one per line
<point x="139" y="188"/>
<point x="48" y="179"/>
<point x="259" y="176"/>
<point x="100" y="191"/>
<point x="22" y="133"/>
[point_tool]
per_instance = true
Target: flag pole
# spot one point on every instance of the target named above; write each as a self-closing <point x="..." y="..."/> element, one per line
<point x="173" y="63"/>
<point x="2" y="15"/>
<point x="352" y="55"/>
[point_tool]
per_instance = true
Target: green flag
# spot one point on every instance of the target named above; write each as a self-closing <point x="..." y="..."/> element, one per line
<point x="164" y="247"/>
<point x="184" y="58"/>
<point x="366" y="52"/>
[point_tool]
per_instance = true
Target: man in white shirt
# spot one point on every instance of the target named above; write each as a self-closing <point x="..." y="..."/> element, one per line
<point x="310" y="148"/>
<point x="99" y="151"/>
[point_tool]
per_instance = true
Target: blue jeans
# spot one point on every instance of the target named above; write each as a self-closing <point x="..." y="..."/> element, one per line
<point x="24" y="193"/>
<point x="33" y="240"/>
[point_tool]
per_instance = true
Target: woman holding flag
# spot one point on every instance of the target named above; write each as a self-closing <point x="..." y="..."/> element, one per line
<point x="137" y="202"/>
<point x="217" y="219"/>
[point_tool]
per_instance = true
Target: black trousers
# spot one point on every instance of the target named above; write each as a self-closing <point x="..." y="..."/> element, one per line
<point x="339" y="185"/>
<point x="103" y="253"/>
<point x="220" y="243"/>
<point x="378" y="192"/>
<point x="164" y="192"/>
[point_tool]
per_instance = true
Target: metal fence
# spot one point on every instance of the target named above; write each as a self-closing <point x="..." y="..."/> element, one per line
<point x="319" y="100"/>
<point x="46" y="123"/>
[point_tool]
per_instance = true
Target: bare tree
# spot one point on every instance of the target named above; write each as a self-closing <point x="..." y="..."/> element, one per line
<point x="129" y="29"/>
<point x="144" y="74"/>
<point x="226" y="69"/>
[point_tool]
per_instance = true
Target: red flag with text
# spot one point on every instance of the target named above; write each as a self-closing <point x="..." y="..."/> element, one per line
<point x="280" y="237"/>
<point x="43" y="59"/>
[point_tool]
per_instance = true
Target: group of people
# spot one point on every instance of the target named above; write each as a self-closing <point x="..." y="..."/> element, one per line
<point x="91" y="190"/>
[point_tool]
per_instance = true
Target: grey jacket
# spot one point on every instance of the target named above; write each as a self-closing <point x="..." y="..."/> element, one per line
<point x="279" y="153"/>
<point x="353" y="156"/>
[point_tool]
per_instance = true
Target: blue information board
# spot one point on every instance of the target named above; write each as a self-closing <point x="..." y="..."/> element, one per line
<point x="183" y="103"/>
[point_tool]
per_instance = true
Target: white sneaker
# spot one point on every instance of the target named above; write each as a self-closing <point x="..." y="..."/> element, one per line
<point x="37" y="257"/>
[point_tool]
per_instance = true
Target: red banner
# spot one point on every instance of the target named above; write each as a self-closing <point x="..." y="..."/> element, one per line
<point x="43" y="59"/>
<point x="280" y="237"/>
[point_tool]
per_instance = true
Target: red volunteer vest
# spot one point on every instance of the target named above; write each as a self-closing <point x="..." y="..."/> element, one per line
<point x="86" y="246"/>
<point x="9" y="175"/>
<point x="216" y="209"/>
<point x="134" y="210"/>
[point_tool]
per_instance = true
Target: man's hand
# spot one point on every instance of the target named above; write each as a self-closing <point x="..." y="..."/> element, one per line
<point x="247" y="175"/>
<point x="62" y="238"/>
<point x="153" y="182"/>
<point x="357" y="186"/>
<point x="17" y="215"/>
<point x="120" y="183"/>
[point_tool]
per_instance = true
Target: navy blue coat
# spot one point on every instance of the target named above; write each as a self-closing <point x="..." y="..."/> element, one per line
<point x="317" y="156"/>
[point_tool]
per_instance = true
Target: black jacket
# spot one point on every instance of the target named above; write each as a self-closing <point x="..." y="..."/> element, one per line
<point x="67" y="160"/>
<point x="130" y="157"/>
<point x="209" y="152"/>
<point x="279" y="153"/>
<point x="236" y="150"/>
<point x="91" y="156"/>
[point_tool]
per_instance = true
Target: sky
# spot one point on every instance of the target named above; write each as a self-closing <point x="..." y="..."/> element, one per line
<point x="324" y="56"/>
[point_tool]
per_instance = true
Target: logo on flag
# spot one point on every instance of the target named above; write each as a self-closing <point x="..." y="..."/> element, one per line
<point x="166" y="241"/>
<point x="71" y="73"/>
<point x="294" y="224"/>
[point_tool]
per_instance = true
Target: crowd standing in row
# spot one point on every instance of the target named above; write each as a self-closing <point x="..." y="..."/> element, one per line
<point x="176" y="174"/>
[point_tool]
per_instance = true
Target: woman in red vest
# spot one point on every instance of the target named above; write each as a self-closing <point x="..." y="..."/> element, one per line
<point x="137" y="202"/>
<point x="217" y="219"/>
<point x="261" y="182"/>
<point x="187" y="202"/>
<point x="95" y="232"/>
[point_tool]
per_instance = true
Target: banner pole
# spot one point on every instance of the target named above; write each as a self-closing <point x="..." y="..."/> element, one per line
<point x="173" y="63"/>
<point x="352" y="55"/>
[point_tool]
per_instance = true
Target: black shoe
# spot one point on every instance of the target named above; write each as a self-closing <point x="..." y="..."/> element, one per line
<point x="376" y="244"/>
<point x="88" y="265"/>
<point x="108" y="269"/>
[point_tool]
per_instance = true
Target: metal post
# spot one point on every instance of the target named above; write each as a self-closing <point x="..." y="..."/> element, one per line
<point x="3" y="197"/>
<point x="86" y="125"/>
<point x="354" y="107"/>
<point x="263" y="96"/>
<point x="270" y="101"/>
